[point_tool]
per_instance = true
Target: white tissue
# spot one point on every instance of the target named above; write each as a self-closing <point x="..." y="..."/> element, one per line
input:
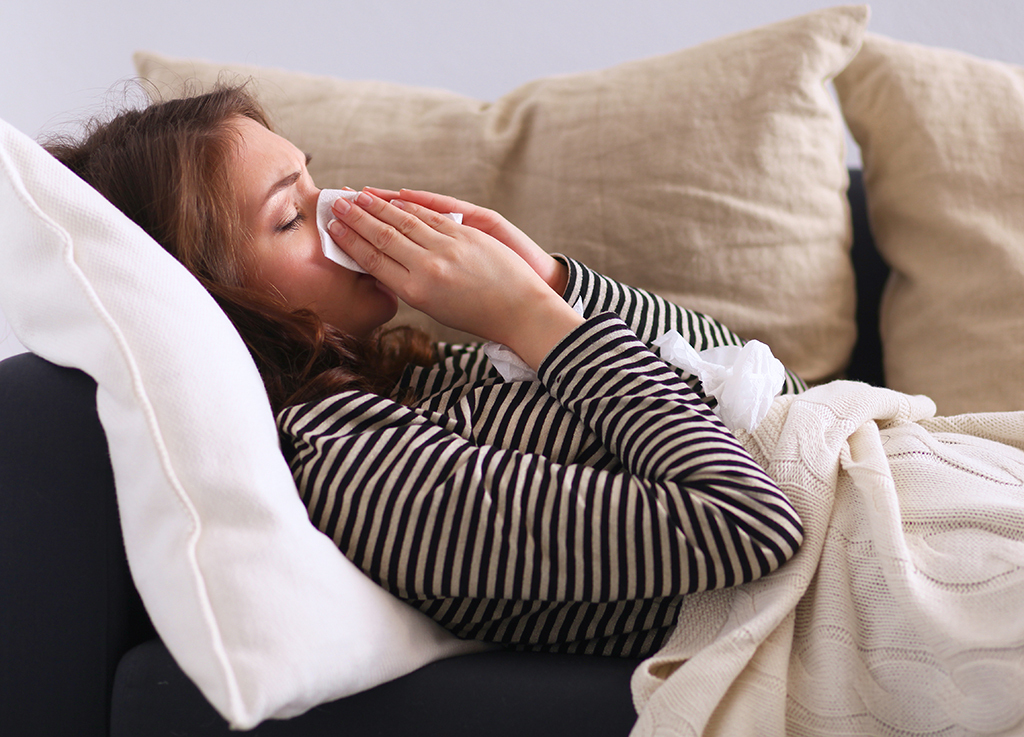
<point x="324" y="217"/>
<point x="507" y="361"/>
<point x="744" y="379"/>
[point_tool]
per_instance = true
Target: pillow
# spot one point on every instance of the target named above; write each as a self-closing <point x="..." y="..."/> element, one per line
<point x="942" y="141"/>
<point x="714" y="176"/>
<point x="259" y="608"/>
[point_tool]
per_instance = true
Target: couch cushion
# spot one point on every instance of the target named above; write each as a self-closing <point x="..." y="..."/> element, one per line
<point x="714" y="175"/>
<point x="497" y="694"/>
<point x="943" y="150"/>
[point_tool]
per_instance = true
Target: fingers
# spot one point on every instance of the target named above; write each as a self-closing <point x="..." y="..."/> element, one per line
<point x="375" y="245"/>
<point x="438" y="202"/>
<point x="407" y="218"/>
<point x="432" y="202"/>
<point x="370" y="258"/>
<point x="381" y="236"/>
<point x="473" y="215"/>
<point x="437" y="222"/>
<point x="385" y="194"/>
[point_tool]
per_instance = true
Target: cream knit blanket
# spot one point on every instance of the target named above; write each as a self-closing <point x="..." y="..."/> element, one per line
<point x="903" y="612"/>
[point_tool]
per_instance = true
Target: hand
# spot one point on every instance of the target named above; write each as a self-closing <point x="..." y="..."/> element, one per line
<point x="553" y="272"/>
<point x="457" y="274"/>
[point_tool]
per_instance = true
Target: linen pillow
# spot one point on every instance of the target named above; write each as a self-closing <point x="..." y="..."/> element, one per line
<point x="714" y="176"/>
<point x="259" y="608"/>
<point x="942" y="140"/>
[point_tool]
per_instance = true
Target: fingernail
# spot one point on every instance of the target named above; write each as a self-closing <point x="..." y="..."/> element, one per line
<point x="342" y="206"/>
<point x="364" y="200"/>
<point x="399" y="204"/>
<point x="336" y="228"/>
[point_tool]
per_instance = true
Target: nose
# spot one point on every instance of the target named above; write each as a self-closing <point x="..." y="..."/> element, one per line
<point x="324" y="216"/>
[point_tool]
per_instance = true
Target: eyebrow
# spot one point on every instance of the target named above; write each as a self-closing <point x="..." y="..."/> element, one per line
<point x="286" y="182"/>
<point x="283" y="184"/>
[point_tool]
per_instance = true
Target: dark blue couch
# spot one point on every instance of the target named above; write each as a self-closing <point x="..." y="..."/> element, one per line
<point x="80" y="658"/>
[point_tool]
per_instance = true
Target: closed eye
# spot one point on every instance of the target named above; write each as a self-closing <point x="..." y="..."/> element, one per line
<point x="292" y="224"/>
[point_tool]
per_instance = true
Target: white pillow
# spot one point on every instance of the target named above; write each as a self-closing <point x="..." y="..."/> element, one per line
<point x="259" y="608"/>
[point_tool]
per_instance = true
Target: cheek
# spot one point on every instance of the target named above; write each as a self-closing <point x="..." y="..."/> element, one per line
<point x="296" y="269"/>
<point x="281" y="274"/>
<point x="306" y="284"/>
<point x="358" y="307"/>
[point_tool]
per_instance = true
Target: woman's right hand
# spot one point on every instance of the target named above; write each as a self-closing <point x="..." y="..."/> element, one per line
<point x="458" y="274"/>
<point x="553" y="272"/>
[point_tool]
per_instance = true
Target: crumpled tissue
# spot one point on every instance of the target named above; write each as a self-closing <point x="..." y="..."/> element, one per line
<point x="324" y="217"/>
<point x="507" y="361"/>
<point x="744" y="379"/>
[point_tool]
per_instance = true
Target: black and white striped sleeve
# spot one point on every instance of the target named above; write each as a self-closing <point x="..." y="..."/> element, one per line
<point x="651" y="316"/>
<point x="429" y="514"/>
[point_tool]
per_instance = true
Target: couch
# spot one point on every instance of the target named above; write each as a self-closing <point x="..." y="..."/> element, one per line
<point x="715" y="176"/>
<point x="86" y="660"/>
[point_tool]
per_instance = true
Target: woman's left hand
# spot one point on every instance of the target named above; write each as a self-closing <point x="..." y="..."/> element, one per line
<point x="494" y="224"/>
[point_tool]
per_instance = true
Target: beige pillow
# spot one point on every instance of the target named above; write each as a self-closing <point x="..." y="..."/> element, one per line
<point x="715" y="175"/>
<point x="942" y="139"/>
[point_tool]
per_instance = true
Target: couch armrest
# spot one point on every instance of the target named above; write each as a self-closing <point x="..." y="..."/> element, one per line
<point x="70" y="609"/>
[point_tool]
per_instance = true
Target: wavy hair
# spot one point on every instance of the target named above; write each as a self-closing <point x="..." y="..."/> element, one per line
<point x="165" y="167"/>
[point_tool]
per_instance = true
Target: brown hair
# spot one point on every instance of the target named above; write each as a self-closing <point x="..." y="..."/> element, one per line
<point x="165" y="167"/>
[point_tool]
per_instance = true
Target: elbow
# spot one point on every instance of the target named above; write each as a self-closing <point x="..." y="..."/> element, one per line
<point x="750" y="542"/>
<point x="768" y="542"/>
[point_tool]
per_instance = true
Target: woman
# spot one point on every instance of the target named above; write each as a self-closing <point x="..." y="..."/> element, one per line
<point x="568" y="513"/>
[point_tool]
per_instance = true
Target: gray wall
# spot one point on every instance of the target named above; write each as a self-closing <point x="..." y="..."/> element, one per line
<point x="60" y="61"/>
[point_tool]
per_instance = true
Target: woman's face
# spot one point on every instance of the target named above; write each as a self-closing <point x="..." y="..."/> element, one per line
<point x="278" y="206"/>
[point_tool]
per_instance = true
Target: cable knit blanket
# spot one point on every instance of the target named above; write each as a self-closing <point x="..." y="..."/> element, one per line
<point x="903" y="612"/>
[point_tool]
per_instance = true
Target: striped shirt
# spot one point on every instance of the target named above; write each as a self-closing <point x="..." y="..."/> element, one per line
<point x="566" y="514"/>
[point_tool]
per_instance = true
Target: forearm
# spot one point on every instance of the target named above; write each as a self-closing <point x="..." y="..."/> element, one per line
<point x="649" y="315"/>
<point x="722" y="520"/>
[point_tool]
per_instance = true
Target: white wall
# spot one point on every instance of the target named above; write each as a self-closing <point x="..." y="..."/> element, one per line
<point x="61" y="60"/>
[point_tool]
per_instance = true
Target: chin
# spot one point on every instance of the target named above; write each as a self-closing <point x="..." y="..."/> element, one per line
<point x="392" y="299"/>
